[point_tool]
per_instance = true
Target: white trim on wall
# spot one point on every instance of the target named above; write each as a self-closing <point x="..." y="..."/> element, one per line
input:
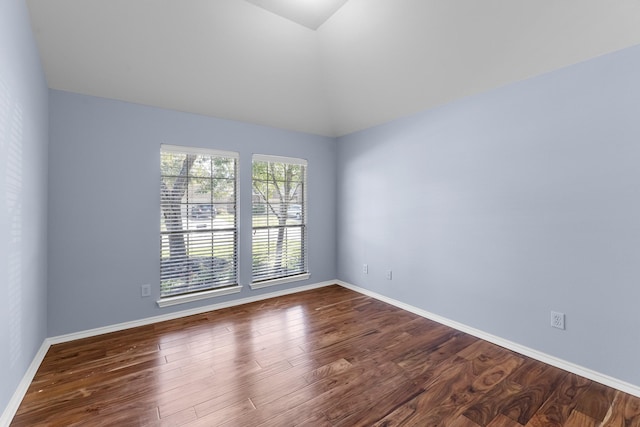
<point x="518" y="348"/>
<point x="22" y="388"/>
<point x="184" y="313"/>
<point x="12" y="407"/>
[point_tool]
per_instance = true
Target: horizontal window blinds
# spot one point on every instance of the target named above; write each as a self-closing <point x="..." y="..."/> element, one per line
<point x="279" y="235"/>
<point x="198" y="229"/>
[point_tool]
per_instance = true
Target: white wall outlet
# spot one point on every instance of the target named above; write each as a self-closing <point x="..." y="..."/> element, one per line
<point x="389" y="275"/>
<point x="145" y="290"/>
<point x="557" y="320"/>
<point x="365" y="269"/>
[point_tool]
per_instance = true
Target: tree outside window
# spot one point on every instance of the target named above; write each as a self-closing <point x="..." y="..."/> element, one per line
<point x="279" y="217"/>
<point x="198" y="222"/>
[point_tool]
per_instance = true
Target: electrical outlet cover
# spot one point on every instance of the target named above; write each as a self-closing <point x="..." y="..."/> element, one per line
<point x="557" y="320"/>
<point x="145" y="290"/>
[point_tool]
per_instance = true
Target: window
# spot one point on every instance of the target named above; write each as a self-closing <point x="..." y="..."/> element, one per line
<point x="279" y="220"/>
<point x="199" y="236"/>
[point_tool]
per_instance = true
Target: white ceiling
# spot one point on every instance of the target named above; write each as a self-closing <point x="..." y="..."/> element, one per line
<point x="371" y="62"/>
<point x="310" y="13"/>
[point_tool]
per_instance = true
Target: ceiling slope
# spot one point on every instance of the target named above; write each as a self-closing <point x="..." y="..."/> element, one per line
<point x="222" y="58"/>
<point x="386" y="59"/>
<point x="311" y="13"/>
<point x="371" y="62"/>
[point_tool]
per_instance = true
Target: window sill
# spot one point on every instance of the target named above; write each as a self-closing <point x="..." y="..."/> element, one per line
<point x="183" y="299"/>
<point x="280" y="281"/>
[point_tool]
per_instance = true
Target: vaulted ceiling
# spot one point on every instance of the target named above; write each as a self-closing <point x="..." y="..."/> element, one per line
<point x="372" y="61"/>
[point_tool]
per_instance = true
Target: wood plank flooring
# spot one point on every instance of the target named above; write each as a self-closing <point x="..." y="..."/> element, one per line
<point x="327" y="357"/>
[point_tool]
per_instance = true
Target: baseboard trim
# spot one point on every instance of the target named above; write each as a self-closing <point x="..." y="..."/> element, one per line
<point x="518" y="348"/>
<point x="184" y="313"/>
<point x="11" y="409"/>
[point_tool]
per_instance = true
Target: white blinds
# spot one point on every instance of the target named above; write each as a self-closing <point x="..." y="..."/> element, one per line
<point x="199" y="236"/>
<point x="279" y="241"/>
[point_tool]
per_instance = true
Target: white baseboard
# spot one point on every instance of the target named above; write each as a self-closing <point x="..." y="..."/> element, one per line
<point x="534" y="354"/>
<point x="10" y="411"/>
<point x="14" y="403"/>
<point x="184" y="313"/>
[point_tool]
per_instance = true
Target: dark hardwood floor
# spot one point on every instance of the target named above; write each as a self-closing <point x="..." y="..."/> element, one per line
<point x="327" y="357"/>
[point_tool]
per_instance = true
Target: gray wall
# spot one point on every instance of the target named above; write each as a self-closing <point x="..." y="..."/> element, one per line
<point x="498" y="208"/>
<point x="104" y="199"/>
<point x="23" y="197"/>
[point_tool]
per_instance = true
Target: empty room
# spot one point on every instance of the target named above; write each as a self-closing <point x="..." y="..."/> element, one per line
<point x="319" y="213"/>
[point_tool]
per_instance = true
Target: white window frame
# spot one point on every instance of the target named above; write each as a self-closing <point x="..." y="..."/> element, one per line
<point x="230" y="284"/>
<point x="272" y="279"/>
